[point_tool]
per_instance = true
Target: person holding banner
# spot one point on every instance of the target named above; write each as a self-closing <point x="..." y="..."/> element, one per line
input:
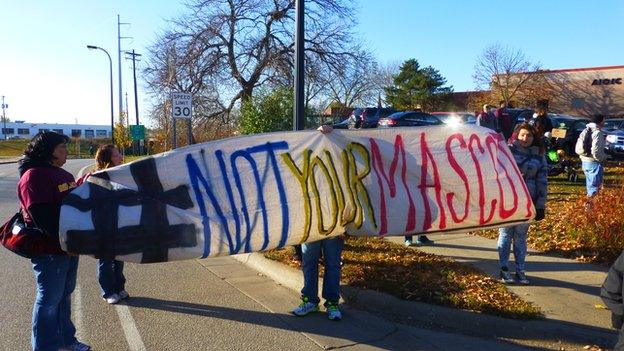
<point x="110" y="272"/>
<point x="528" y="152"/>
<point x="311" y="252"/>
<point x="42" y="186"/>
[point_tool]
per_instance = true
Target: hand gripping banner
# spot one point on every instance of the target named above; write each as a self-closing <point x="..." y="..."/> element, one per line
<point x="259" y="192"/>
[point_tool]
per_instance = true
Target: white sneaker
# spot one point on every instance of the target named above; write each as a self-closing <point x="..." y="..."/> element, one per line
<point x="123" y="295"/>
<point x="113" y="299"/>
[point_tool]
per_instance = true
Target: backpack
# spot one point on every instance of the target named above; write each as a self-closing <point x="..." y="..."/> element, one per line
<point x="587" y="142"/>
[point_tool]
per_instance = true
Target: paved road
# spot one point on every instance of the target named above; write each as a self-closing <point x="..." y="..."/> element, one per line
<point x="176" y="306"/>
<point x="214" y="304"/>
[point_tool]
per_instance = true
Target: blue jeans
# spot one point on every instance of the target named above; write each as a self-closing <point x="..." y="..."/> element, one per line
<point x="110" y="276"/>
<point x="332" y="250"/>
<point x="593" y="176"/>
<point x="51" y="320"/>
<point x="517" y="234"/>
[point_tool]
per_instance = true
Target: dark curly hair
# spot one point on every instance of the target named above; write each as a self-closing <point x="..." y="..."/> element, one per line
<point x="536" y="141"/>
<point x="42" y="146"/>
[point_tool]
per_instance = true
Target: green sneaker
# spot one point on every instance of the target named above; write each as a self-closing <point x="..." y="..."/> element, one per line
<point x="333" y="313"/>
<point x="305" y="307"/>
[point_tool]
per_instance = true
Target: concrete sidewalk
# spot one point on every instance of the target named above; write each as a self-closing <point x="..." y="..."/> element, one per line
<point x="565" y="290"/>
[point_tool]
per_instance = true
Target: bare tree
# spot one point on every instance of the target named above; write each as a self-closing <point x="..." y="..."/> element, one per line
<point x="224" y="49"/>
<point x="505" y="71"/>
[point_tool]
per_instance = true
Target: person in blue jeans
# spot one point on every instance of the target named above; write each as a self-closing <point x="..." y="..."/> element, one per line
<point x="332" y="252"/>
<point x="420" y="240"/>
<point x="110" y="272"/>
<point x="528" y="152"/>
<point x="590" y="147"/>
<point x="310" y="254"/>
<point x="42" y="186"/>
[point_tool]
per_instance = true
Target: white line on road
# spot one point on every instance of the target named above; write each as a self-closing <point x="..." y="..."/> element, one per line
<point x="77" y="311"/>
<point x="130" y="330"/>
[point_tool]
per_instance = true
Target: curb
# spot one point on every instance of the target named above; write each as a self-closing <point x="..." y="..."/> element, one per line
<point x="439" y="317"/>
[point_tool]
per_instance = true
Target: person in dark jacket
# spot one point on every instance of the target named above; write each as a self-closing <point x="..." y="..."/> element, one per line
<point x="541" y="122"/>
<point x="529" y="155"/>
<point x="611" y="294"/>
<point x="42" y="186"/>
<point x="485" y="118"/>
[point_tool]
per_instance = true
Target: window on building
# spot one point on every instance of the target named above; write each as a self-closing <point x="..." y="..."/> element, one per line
<point x="76" y="133"/>
<point x="578" y="103"/>
<point x="60" y="131"/>
<point x="41" y="130"/>
<point x="89" y="133"/>
<point x="8" y="131"/>
<point x="23" y="131"/>
<point x="101" y="133"/>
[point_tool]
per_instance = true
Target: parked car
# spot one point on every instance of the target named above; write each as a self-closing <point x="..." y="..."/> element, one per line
<point x="342" y="125"/>
<point x="520" y="115"/>
<point x="613" y="123"/>
<point x="409" y="119"/>
<point x="369" y="117"/>
<point x="456" y="117"/>
<point x="573" y="126"/>
<point x="614" y="144"/>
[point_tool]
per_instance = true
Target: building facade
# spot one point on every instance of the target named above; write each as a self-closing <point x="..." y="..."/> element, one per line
<point x="577" y="92"/>
<point x="24" y="130"/>
<point x="587" y="91"/>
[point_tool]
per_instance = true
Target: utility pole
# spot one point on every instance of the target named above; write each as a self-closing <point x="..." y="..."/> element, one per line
<point x="133" y="56"/>
<point x="127" y="115"/>
<point x="299" y="118"/>
<point x="119" y="37"/>
<point x="4" y="107"/>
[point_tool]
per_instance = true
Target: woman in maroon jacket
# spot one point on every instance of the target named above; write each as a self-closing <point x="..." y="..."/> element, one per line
<point x="41" y="188"/>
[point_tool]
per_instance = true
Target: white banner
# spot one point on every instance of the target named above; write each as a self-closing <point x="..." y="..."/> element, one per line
<point x="258" y="192"/>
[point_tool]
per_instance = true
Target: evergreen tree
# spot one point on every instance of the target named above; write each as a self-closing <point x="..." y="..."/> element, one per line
<point x="418" y="88"/>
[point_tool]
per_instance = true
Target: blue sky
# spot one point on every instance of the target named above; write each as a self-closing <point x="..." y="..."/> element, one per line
<point x="48" y="75"/>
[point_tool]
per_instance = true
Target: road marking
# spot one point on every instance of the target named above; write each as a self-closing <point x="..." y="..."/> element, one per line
<point x="130" y="330"/>
<point x="77" y="311"/>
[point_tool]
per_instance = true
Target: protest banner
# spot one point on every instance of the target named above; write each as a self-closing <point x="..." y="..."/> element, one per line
<point x="258" y="192"/>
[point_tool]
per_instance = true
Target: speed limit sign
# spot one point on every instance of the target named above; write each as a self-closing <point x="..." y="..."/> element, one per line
<point x="181" y="105"/>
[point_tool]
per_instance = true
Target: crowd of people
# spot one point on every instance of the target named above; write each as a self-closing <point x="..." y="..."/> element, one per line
<point x="44" y="183"/>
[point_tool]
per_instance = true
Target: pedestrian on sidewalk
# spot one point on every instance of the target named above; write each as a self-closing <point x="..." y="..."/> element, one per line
<point x="110" y="271"/>
<point x="528" y="152"/>
<point x="332" y="252"/>
<point x="420" y="240"/>
<point x="611" y="294"/>
<point x="41" y="188"/>
<point x="590" y="147"/>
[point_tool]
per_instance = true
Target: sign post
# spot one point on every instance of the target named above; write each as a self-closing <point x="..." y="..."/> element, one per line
<point x="181" y="107"/>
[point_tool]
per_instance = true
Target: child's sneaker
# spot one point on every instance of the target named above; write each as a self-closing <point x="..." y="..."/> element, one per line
<point x="408" y="242"/>
<point x="521" y="278"/>
<point x="333" y="313"/>
<point x="305" y="307"/>
<point x="505" y="276"/>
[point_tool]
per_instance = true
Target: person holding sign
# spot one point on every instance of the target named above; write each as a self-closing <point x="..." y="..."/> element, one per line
<point x="528" y="152"/>
<point x="110" y="272"/>
<point x="311" y="252"/>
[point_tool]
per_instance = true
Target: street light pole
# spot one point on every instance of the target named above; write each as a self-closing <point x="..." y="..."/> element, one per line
<point x="4" y="106"/>
<point x="110" y="62"/>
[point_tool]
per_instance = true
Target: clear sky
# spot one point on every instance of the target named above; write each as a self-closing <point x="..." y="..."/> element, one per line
<point x="48" y="75"/>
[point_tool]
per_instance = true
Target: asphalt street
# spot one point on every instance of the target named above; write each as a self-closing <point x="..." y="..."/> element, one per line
<point x="174" y="306"/>
<point x="213" y="304"/>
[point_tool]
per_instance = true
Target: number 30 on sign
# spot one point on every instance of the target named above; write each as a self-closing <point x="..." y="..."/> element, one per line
<point x="181" y="105"/>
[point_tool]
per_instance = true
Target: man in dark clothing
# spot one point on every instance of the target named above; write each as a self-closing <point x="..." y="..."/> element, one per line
<point x="505" y="124"/>
<point x="486" y="119"/>
<point x="541" y="122"/>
